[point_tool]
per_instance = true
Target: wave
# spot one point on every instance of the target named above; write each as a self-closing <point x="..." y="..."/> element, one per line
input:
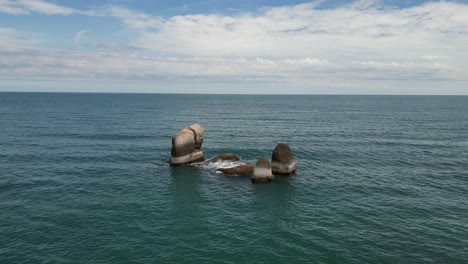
<point x="218" y="164"/>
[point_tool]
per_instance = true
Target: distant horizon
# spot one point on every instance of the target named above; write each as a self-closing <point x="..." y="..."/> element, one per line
<point x="260" y="94"/>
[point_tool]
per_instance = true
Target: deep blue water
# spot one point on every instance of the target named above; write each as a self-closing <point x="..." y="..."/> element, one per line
<point x="381" y="179"/>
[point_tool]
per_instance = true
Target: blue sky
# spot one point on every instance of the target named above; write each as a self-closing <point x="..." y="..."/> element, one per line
<point x="224" y="46"/>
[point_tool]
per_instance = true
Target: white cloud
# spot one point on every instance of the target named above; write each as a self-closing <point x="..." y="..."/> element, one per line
<point x="79" y="35"/>
<point x="361" y="40"/>
<point x="361" y="29"/>
<point x="357" y="45"/>
<point x="135" y="19"/>
<point x="103" y="65"/>
<point x="10" y="7"/>
<point x="13" y="40"/>
<point x="114" y="47"/>
<point x="46" y="8"/>
<point x="25" y="7"/>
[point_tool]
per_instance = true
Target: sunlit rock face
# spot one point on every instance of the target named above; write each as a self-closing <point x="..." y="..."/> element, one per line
<point x="262" y="171"/>
<point x="186" y="145"/>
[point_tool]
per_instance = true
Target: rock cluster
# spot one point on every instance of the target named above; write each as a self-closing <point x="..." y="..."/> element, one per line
<point x="186" y="149"/>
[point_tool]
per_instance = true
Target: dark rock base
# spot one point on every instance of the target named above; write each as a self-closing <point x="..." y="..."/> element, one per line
<point x="238" y="170"/>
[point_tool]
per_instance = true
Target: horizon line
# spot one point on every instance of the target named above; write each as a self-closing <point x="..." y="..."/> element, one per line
<point x="273" y="94"/>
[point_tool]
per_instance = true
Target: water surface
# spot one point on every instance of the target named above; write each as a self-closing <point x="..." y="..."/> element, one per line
<point x="381" y="179"/>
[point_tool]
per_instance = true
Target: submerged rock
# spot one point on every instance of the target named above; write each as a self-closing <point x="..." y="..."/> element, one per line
<point x="238" y="170"/>
<point x="262" y="171"/>
<point x="186" y="145"/>
<point x="282" y="160"/>
<point x="223" y="157"/>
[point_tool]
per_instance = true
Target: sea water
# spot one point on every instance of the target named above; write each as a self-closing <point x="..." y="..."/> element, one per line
<point x="380" y="179"/>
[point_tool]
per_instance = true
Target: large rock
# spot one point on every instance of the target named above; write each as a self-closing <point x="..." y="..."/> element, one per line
<point x="282" y="160"/>
<point x="186" y="145"/>
<point x="238" y="170"/>
<point x="262" y="171"/>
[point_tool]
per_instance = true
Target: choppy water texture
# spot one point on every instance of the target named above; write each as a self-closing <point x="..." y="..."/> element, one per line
<point x="381" y="179"/>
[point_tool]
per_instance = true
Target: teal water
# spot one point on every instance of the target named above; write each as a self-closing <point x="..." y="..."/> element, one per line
<point x="381" y="179"/>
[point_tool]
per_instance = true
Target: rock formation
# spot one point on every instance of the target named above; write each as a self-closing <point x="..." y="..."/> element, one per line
<point x="186" y="145"/>
<point x="262" y="171"/>
<point x="238" y="170"/>
<point x="282" y="160"/>
<point x="224" y="157"/>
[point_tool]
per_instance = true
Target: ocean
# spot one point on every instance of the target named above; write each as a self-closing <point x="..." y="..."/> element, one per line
<point x="380" y="179"/>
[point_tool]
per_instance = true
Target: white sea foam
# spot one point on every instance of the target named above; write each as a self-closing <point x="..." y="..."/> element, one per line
<point x="220" y="164"/>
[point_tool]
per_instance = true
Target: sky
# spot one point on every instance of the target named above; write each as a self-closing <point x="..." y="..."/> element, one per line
<point x="235" y="46"/>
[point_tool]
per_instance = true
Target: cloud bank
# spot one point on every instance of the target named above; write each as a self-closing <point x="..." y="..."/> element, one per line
<point x="357" y="44"/>
<point x="27" y="7"/>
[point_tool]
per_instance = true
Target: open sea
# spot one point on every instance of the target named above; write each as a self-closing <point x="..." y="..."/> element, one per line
<point x="381" y="179"/>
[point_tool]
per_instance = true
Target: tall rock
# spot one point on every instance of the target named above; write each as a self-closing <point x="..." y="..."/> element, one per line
<point x="282" y="160"/>
<point x="186" y="145"/>
<point x="262" y="171"/>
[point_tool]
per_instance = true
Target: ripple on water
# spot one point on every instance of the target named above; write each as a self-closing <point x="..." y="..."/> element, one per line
<point x="379" y="180"/>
